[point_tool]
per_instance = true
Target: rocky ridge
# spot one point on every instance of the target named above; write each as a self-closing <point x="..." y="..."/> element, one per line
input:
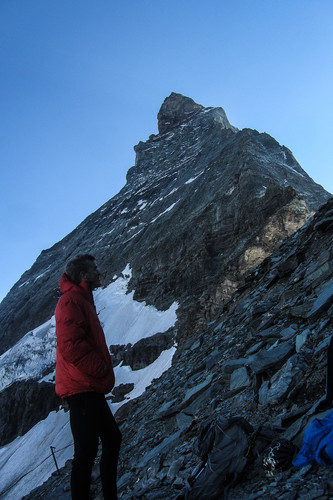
<point x="262" y="357"/>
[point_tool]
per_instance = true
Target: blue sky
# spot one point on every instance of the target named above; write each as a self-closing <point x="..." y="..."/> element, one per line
<point x="82" y="82"/>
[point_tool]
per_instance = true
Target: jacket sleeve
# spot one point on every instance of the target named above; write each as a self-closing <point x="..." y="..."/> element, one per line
<point x="73" y="342"/>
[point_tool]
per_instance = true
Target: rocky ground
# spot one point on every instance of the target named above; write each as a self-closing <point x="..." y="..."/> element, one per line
<point x="262" y="357"/>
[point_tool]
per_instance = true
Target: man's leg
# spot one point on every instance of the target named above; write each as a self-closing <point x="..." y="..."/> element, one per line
<point x="85" y="435"/>
<point x="111" y="440"/>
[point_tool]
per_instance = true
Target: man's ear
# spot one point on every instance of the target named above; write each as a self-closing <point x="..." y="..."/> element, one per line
<point x="83" y="275"/>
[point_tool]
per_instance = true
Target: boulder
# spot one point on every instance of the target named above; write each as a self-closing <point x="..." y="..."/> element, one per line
<point x="271" y="359"/>
<point x="281" y="384"/>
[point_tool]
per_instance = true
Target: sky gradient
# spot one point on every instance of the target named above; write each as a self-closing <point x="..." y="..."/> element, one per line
<point x="82" y="83"/>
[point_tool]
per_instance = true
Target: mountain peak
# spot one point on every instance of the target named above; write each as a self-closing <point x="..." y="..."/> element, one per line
<point x="176" y="109"/>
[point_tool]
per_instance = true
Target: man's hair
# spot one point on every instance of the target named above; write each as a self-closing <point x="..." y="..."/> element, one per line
<point x="80" y="264"/>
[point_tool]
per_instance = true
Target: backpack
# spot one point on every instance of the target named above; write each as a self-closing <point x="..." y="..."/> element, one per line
<point x="223" y="445"/>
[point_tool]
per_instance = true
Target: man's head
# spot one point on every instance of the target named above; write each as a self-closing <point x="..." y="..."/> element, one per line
<point x="83" y="268"/>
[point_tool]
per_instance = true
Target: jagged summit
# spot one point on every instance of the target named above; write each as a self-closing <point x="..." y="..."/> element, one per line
<point x="183" y="126"/>
<point x="176" y="109"/>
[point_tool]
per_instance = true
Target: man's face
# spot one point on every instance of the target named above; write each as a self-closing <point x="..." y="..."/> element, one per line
<point x="92" y="276"/>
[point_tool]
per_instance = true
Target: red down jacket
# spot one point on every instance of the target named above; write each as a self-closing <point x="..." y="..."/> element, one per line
<point x="83" y="361"/>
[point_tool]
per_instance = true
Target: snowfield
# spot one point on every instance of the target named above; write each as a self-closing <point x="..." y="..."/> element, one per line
<point x="27" y="462"/>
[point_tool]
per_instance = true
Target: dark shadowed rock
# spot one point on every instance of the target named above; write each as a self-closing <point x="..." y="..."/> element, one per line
<point x="119" y="392"/>
<point x="144" y="352"/>
<point x="284" y="381"/>
<point x="24" y="404"/>
<point x="323" y="302"/>
<point x="175" y="110"/>
<point x="266" y="359"/>
<point x="147" y="350"/>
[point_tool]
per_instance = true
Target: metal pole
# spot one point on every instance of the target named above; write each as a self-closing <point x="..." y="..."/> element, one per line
<point x="54" y="458"/>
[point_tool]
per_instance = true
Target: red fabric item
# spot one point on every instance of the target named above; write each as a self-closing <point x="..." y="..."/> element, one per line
<point x="83" y="361"/>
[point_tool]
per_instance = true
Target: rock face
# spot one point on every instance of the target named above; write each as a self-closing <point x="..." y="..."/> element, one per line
<point x="262" y="357"/>
<point x="202" y="211"/>
<point x="24" y="404"/>
<point x="143" y="352"/>
<point x="176" y="110"/>
<point x="203" y="203"/>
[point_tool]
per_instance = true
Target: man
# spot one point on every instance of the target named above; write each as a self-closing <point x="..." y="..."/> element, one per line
<point x="84" y="374"/>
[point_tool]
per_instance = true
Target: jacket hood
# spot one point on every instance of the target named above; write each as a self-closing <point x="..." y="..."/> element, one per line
<point x="66" y="285"/>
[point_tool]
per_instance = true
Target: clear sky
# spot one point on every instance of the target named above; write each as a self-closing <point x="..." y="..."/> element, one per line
<point x="82" y="82"/>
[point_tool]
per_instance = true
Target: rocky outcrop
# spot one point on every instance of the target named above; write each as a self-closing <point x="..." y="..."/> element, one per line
<point x="144" y="352"/>
<point x="24" y="404"/>
<point x="175" y="110"/>
<point x="119" y="392"/>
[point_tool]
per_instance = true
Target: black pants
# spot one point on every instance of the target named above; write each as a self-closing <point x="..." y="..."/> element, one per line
<point x="90" y="419"/>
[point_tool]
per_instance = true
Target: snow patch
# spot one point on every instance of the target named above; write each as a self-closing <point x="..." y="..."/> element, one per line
<point x="27" y="462"/>
<point x="43" y="274"/>
<point x="261" y="193"/>
<point x="24" y="284"/>
<point x="193" y="178"/>
<point x="126" y="321"/>
<point x="293" y="170"/>
<point x="230" y="191"/>
<point x="142" y="204"/>
<point x="103" y="235"/>
<point x="142" y="378"/>
<point x="165" y="211"/>
<point x="171" y="192"/>
<point x="133" y="235"/>
<point x="32" y="356"/>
